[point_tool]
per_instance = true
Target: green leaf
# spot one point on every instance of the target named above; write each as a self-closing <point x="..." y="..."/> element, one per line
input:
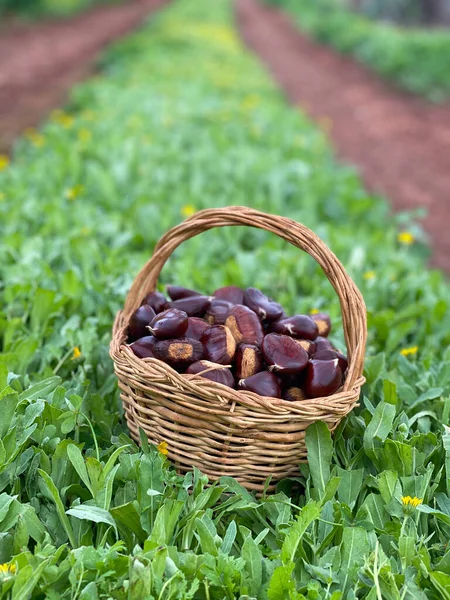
<point x="354" y="548"/>
<point x="350" y="486"/>
<point x="320" y="451"/>
<point x="437" y="513"/>
<point x="77" y="460"/>
<point x="282" y="584"/>
<point x="292" y="541"/>
<point x="253" y="565"/>
<point x="129" y="517"/>
<point x="27" y="579"/>
<point x="380" y="426"/>
<point x="41" y="390"/>
<point x="441" y="582"/>
<point x="59" y="507"/>
<point x="92" y="513"/>
<point x="8" y="406"/>
<point x="229" y="537"/>
<point x="206" y="539"/>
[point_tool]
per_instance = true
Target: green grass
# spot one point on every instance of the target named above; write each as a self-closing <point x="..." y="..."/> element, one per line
<point x="415" y="59"/>
<point x="182" y="116"/>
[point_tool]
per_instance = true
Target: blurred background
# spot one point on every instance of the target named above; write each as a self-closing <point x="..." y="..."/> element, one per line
<point x="405" y="12"/>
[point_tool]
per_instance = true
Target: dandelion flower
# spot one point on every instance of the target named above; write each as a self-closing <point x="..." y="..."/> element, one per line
<point x="163" y="448"/>
<point x="7" y="569"/>
<point x="369" y="275"/>
<point x="410" y="504"/>
<point x="188" y="210"/>
<point x="314" y="311"/>
<point x="409" y="351"/>
<point x="4" y="162"/>
<point x="406" y="238"/>
<point x="76" y="353"/>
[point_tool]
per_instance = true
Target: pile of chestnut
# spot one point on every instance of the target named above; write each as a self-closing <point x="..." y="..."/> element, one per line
<point x="241" y="339"/>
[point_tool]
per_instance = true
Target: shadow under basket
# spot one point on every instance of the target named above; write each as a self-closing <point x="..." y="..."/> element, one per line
<point x="213" y="427"/>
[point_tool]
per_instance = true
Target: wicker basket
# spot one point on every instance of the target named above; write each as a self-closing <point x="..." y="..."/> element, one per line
<point x="219" y="430"/>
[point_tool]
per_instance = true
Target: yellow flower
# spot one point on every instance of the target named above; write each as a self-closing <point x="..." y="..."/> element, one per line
<point x="75" y="191"/>
<point x="188" y="210"/>
<point x="36" y="138"/>
<point x="410" y="504"/>
<point x="84" y="135"/>
<point x="406" y="238"/>
<point x="369" y="275"/>
<point x="163" y="448"/>
<point x="7" y="569"/>
<point x="62" y="118"/>
<point x="76" y="353"/>
<point x="4" y="162"/>
<point x="408" y="351"/>
<point x="314" y="311"/>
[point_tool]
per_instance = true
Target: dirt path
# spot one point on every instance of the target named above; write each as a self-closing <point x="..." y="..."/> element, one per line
<point x="40" y="62"/>
<point x="400" y="144"/>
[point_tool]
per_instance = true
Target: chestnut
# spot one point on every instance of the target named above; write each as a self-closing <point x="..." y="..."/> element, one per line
<point x="230" y="293"/>
<point x="212" y="371"/>
<point x="156" y="300"/>
<point x="139" y="320"/>
<point x="193" y="306"/>
<point x="143" y="347"/>
<point x="217" y="311"/>
<point x="263" y="383"/>
<point x="179" y="352"/>
<point x="266" y="309"/>
<point x="177" y="292"/>
<point x="294" y="394"/>
<point x="308" y="345"/>
<point x="323" y="343"/>
<point x="300" y="326"/>
<point x="196" y="327"/>
<point x="244" y="325"/>
<point x="330" y="355"/>
<point x="249" y="360"/>
<point x="171" y="323"/>
<point x="323" y="323"/>
<point x="219" y="344"/>
<point x="322" y="378"/>
<point x="283" y="354"/>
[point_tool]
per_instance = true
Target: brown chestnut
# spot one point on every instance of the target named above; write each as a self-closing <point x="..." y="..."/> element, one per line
<point x="307" y="345"/>
<point x="249" y="360"/>
<point x="171" y="323"/>
<point x="323" y="323"/>
<point x="323" y="343"/>
<point x="322" y="378"/>
<point x="284" y="354"/>
<point x="217" y="311"/>
<point x="219" y="344"/>
<point x="230" y="293"/>
<point x="330" y="355"/>
<point x="294" y="394"/>
<point x="196" y="327"/>
<point x="193" y="306"/>
<point x="156" y="300"/>
<point x="177" y="292"/>
<point x="143" y="348"/>
<point x="212" y="371"/>
<point x="140" y="319"/>
<point x="266" y="309"/>
<point x="300" y="326"/>
<point x="244" y="325"/>
<point x="263" y="383"/>
<point x="179" y="352"/>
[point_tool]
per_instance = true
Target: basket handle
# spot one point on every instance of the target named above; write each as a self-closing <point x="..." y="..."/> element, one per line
<point x="352" y="304"/>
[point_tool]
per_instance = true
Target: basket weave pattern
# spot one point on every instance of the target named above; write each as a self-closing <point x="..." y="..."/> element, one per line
<point x="215" y="428"/>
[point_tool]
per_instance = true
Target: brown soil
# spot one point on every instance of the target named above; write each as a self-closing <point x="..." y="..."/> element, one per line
<point x="399" y="143"/>
<point x="40" y="62"/>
